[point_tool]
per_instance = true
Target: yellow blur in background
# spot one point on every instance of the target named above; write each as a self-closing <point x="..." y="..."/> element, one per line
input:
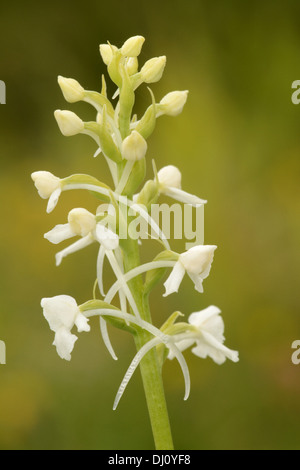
<point x="237" y="144"/>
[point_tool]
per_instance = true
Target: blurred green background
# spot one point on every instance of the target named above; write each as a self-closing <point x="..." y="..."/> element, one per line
<point x="237" y="144"/>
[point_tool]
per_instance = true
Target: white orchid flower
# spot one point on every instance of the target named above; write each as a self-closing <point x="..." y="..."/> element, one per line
<point x="208" y="334"/>
<point x="169" y="178"/>
<point x="62" y="313"/>
<point x="48" y="186"/>
<point x="196" y="262"/>
<point x="83" y="223"/>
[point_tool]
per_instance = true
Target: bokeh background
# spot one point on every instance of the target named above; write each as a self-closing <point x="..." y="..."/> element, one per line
<point x="237" y="144"/>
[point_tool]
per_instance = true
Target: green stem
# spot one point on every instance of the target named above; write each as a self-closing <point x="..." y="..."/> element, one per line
<point x="150" y="369"/>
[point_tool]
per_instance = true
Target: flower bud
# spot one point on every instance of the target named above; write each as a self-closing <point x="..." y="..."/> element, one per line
<point x="81" y="221"/>
<point x="72" y="90"/>
<point x="169" y="176"/>
<point x="68" y="122"/>
<point x="134" y="147"/>
<point x="132" y="65"/>
<point x="106" y="51"/>
<point x="148" y="194"/>
<point x="45" y="183"/>
<point x="153" y="69"/>
<point x="173" y="103"/>
<point x="132" y="47"/>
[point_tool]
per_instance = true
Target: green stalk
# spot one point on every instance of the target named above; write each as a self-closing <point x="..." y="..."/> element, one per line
<point x="149" y="366"/>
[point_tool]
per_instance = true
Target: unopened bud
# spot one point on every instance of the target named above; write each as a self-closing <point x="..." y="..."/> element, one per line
<point x="132" y="47"/>
<point x="169" y="176"/>
<point x="45" y="182"/>
<point x="134" y="147"/>
<point x="68" y="122"/>
<point x="72" y="90"/>
<point x="173" y="103"/>
<point x="153" y="69"/>
<point x="106" y="51"/>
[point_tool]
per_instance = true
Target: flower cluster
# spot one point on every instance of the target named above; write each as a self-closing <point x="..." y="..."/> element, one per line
<point x="121" y="138"/>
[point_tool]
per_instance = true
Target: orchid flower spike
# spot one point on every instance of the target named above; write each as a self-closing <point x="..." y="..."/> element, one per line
<point x="208" y="334"/>
<point x="62" y="313"/>
<point x="48" y="186"/>
<point x="169" y="178"/>
<point x="81" y="223"/>
<point x="196" y="262"/>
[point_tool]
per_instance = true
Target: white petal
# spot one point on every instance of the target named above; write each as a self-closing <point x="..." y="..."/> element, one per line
<point x="98" y="152"/>
<point x="212" y="341"/>
<point x="203" y="351"/>
<point x="64" y="342"/>
<point x="59" y="233"/>
<point x="198" y="259"/>
<point x="53" y="199"/>
<point x="59" y="311"/>
<point x="174" y="280"/>
<point x="82" y="323"/>
<point x="106" y="237"/>
<point x="183" y="196"/>
<point x="198" y="318"/>
<point x="198" y="282"/>
<point x="79" y="245"/>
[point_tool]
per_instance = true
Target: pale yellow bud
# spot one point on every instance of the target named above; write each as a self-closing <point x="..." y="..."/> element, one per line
<point x="153" y="69"/>
<point x="81" y="221"/>
<point x="45" y="182"/>
<point x="72" y="90"/>
<point x="173" y="103"/>
<point x="106" y="51"/>
<point x="134" y="147"/>
<point x="132" y="47"/>
<point x="132" y="65"/>
<point x="170" y="177"/>
<point x="68" y="122"/>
